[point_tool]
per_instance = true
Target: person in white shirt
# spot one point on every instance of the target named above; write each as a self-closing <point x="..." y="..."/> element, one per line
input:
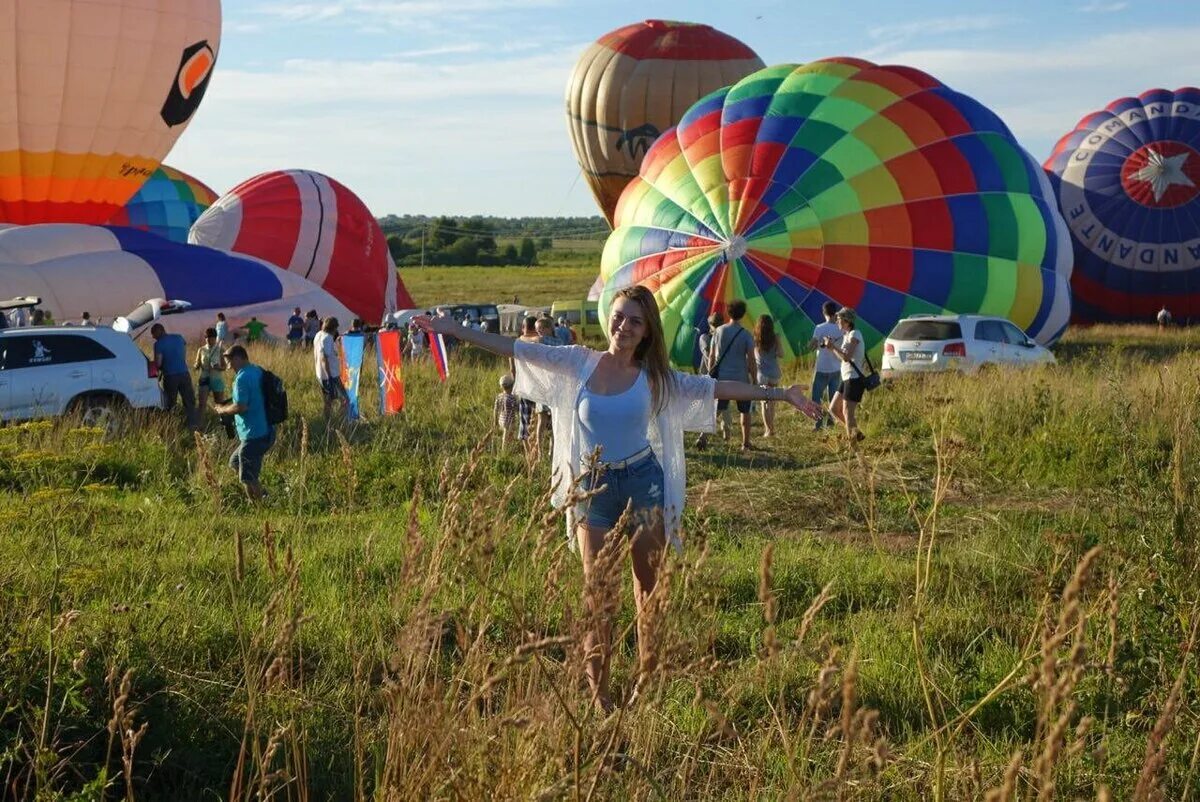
<point x="329" y="367"/>
<point x="619" y="417"/>
<point x="827" y="371"/>
<point x="850" y="350"/>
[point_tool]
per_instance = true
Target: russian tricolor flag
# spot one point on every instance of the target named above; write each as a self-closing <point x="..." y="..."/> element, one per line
<point x="441" y="357"/>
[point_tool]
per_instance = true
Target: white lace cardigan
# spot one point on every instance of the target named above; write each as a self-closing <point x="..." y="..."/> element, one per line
<point x="555" y="376"/>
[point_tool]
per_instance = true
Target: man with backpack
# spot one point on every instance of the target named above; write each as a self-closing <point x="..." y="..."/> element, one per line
<point x="259" y="405"/>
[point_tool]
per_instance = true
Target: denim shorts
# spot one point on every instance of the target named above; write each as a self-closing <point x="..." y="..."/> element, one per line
<point x="247" y="460"/>
<point x="641" y="482"/>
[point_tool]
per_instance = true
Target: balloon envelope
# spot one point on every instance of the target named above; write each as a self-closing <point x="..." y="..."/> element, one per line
<point x="311" y="225"/>
<point x="636" y="82"/>
<point x="95" y="94"/>
<point x="107" y="271"/>
<point x="167" y="204"/>
<point x="873" y="187"/>
<point x="1127" y="180"/>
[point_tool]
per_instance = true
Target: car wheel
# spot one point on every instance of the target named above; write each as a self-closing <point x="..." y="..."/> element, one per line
<point x="99" y="412"/>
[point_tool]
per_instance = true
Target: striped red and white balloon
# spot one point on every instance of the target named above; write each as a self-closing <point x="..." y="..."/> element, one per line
<point x="308" y="223"/>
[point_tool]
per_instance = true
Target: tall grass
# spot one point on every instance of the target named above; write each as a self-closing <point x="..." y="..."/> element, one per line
<point x="995" y="599"/>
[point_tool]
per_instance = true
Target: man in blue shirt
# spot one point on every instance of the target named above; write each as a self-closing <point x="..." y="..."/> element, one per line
<point x="255" y="435"/>
<point x="170" y="355"/>
<point x="295" y="329"/>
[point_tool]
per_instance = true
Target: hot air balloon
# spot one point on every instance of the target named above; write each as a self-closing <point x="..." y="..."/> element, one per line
<point x="636" y="82"/>
<point x="875" y="187"/>
<point x="311" y="225"/>
<point x="1127" y="180"/>
<point x="108" y="270"/>
<point x="95" y="94"/>
<point x="167" y="204"/>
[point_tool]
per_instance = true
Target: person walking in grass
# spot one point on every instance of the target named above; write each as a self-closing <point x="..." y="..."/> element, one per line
<point x="312" y="325"/>
<point x="506" y="410"/>
<point x="767" y="351"/>
<point x="705" y="342"/>
<point x="222" y="329"/>
<point x="619" y="417"/>
<point x="170" y="356"/>
<point x="329" y="366"/>
<point x="210" y="362"/>
<point x="249" y="410"/>
<point x="732" y="356"/>
<point x="527" y="409"/>
<point x="827" y="371"/>
<point x="295" y="329"/>
<point x="850" y="351"/>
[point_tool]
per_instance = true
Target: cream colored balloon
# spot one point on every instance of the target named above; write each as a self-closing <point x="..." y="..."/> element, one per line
<point x="93" y="94"/>
<point x="636" y="82"/>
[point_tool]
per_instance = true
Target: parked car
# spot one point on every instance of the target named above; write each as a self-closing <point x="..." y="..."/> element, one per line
<point x="965" y="343"/>
<point x="49" y="371"/>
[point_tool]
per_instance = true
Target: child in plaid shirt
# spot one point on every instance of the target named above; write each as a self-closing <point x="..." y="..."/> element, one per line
<point x="506" y="408"/>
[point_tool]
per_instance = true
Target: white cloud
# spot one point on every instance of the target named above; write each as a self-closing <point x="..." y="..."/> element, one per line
<point x="407" y="136"/>
<point x="1099" y="7"/>
<point x="380" y="14"/>
<point x="445" y="50"/>
<point x="938" y="26"/>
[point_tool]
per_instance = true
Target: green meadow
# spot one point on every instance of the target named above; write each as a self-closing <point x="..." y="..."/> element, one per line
<point x="995" y="596"/>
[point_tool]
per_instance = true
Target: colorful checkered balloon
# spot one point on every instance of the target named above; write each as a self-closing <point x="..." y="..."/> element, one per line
<point x="167" y="204"/>
<point x="875" y="187"/>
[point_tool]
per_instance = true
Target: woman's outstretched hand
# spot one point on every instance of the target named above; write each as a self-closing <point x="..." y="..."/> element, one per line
<point x="438" y="325"/>
<point x="797" y="397"/>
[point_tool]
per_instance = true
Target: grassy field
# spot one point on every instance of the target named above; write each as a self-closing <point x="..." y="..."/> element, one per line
<point x="997" y="593"/>
<point x="538" y="285"/>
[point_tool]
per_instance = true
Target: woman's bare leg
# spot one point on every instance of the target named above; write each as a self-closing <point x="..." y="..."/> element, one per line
<point x="598" y="641"/>
<point x="768" y="415"/>
<point x="851" y="418"/>
<point x="837" y="408"/>
<point x="647" y="548"/>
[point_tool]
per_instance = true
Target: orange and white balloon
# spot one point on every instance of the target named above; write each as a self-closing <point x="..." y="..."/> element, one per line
<point x="93" y="94"/>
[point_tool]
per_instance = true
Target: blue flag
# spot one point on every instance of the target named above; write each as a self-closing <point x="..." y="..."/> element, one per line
<point x="352" y="359"/>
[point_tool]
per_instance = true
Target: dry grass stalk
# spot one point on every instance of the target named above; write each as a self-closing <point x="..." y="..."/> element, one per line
<point x="1008" y="787"/>
<point x="769" y="602"/>
<point x="207" y="471"/>
<point x="1148" y="787"/>
<point x="121" y="727"/>
<point x="1058" y="675"/>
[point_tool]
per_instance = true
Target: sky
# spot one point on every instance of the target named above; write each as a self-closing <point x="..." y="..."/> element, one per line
<point x="456" y="106"/>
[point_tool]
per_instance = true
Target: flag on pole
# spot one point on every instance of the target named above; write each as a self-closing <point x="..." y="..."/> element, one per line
<point x="441" y="357"/>
<point x="391" y="375"/>
<point x="352" y="359"/>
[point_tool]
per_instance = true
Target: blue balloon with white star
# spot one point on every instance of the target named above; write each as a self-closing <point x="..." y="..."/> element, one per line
<point x="1127" y="180"/>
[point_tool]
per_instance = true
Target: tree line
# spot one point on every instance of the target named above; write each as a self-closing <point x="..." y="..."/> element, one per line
<point x="417" y="239"/>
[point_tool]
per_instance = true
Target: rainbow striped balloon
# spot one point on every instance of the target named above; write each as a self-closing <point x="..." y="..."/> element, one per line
<point x="875" y="187"/>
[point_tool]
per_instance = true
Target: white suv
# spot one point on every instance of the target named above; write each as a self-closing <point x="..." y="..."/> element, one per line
<point x="927" y="343"/>
<point x="47" y="371"/>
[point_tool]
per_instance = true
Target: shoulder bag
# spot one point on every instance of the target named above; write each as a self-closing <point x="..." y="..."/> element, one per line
<point x="715" y="369"/>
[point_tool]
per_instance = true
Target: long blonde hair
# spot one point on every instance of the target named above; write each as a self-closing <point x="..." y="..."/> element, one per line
<point x="651" y="352"/>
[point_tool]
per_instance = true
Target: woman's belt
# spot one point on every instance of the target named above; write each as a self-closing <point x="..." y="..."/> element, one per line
<point x="621" y="464"/>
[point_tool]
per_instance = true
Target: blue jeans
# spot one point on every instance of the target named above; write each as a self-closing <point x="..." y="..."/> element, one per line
<point x="247" y="460"/>
<point x="641" y="482"/>
<point x="822" y="383"/>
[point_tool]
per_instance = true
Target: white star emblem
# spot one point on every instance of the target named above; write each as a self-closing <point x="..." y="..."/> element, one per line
<point x="1163" y="172"/>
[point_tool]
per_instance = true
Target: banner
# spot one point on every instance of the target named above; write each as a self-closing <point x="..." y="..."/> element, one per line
<point x="441" y="357"/>
<point x="391" y="375"/>
<point x="352" y="358"/>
